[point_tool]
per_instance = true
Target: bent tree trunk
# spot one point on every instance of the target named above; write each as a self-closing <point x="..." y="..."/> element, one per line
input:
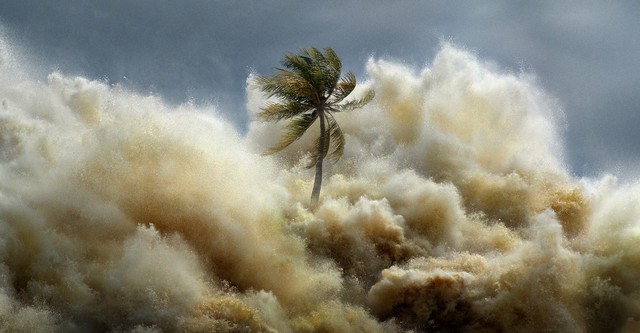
<point x="315" y="194"/>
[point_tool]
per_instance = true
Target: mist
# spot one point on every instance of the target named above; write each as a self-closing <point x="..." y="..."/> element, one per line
<point x="452" y="210"/>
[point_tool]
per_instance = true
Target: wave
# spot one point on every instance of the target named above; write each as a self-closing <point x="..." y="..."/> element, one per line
<point x="452" y="210"/>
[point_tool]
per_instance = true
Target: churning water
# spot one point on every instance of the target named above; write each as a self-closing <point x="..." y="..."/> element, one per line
<point x="451" y="211"/>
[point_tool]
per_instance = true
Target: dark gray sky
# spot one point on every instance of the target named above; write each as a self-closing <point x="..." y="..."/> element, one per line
<point x="584" y="53"/>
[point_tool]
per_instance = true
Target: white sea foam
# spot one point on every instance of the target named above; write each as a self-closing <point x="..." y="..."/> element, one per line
<point x="451" y="211"/>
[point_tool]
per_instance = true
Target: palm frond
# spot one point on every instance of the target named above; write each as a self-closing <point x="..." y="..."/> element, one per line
<point x="320" y="70"/>
<point x="277" y="111"/>
<point x="305" y="64"/>
<point x="337" y="139"/>
<point x="295" y="129"/>
<point x="332" y="67"/>
<point x="288" y="86"/>
<point x="314" y="54"/>
<point x="344" y="87"/>
<point x="332" y="58"/>
<point x="356" y="103"/>
<point x="299" y="64"/>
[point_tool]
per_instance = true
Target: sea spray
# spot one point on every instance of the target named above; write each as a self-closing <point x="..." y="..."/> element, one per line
<point x="451" y="211"/>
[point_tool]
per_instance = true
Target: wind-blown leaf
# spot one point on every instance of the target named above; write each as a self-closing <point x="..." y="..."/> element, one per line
<point x="287" y="85"/>
<point x="307" y="65"/>
<point x="333" y="59"/>
<point x="356" y="103"/>
<point x="333" y="67"/>
<point x="282" y="110"/>
<point x="344" y="87"/>
<point x="337" y="139"/>
<point x="295" y="129"/>
<point x="299" y="65"/>
<point x="320" y="70"/>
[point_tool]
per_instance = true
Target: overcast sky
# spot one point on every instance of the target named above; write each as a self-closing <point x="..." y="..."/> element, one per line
<point x="584" y="53"/>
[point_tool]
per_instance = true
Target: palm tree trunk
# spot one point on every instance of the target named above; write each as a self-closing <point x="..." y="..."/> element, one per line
<point x="315" y="194"/>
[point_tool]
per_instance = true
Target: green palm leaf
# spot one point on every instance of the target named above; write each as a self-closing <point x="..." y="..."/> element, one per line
<point x="287" y="85"/>
<point x="337" y="139"/>
<point x="333" y="59"/>
<point x="322" y="71"/>
<point x="282" y="110"/>
<point x="295" y="129"/>
<point x="332" y="66"/>
<point x="344" y="87"/>
<point x="356" y="103"/>
<point x="304" y="65"/>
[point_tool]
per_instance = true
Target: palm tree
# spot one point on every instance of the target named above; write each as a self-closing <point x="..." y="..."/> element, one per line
<point x="310" y="88"/>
